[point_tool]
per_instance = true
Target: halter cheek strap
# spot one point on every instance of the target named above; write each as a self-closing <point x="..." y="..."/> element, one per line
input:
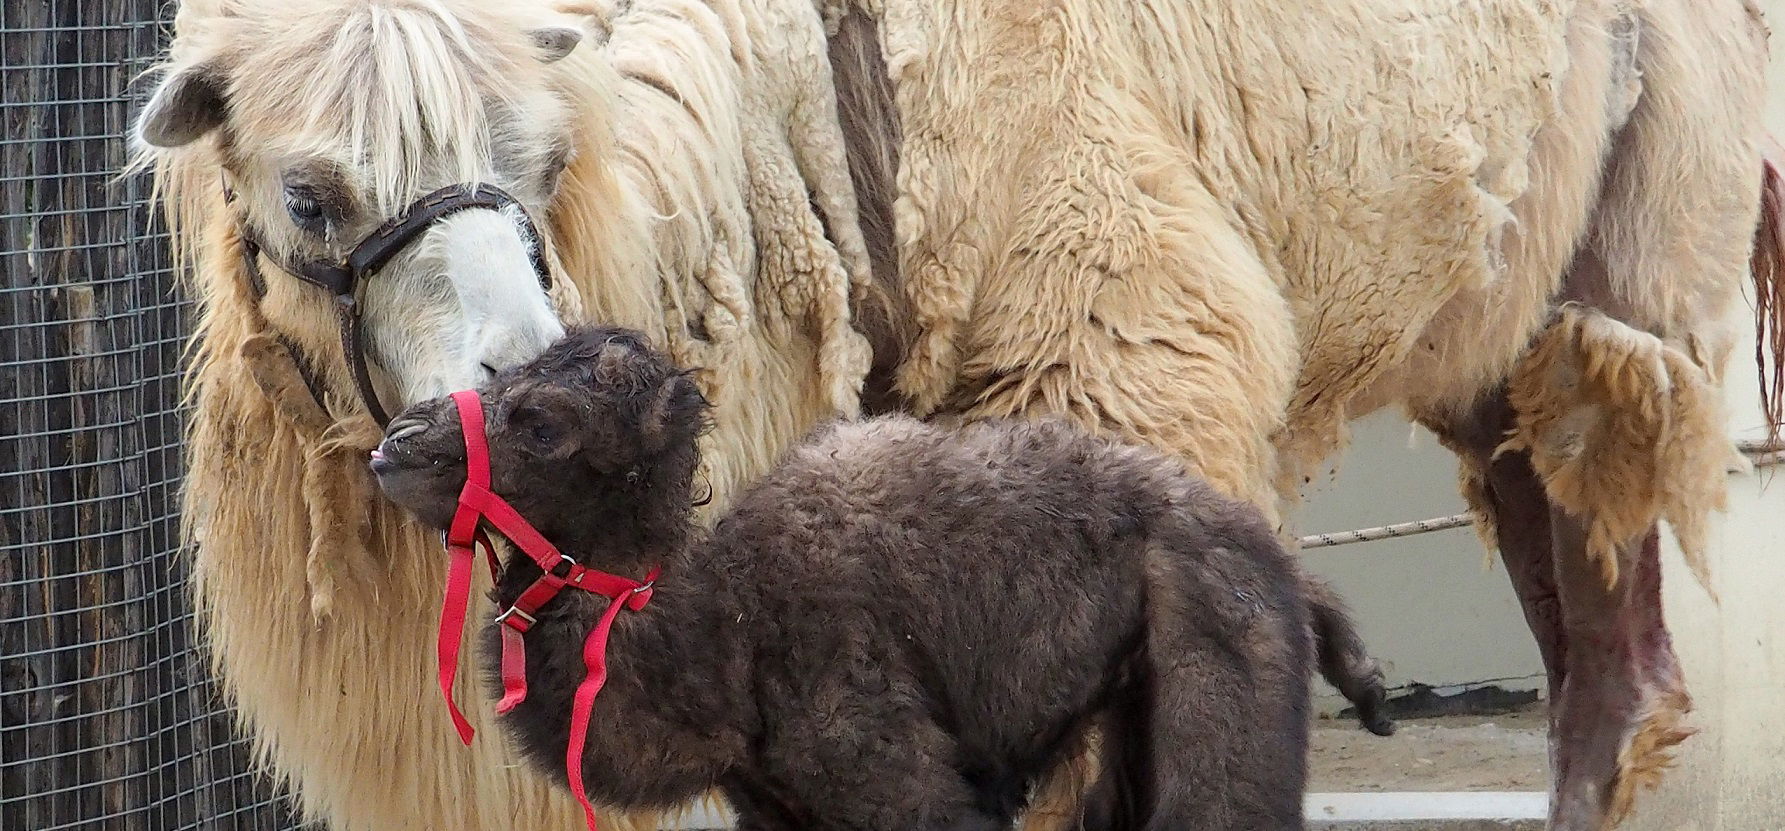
<point x="477" y="504"/>
<point x="343" y="278"/>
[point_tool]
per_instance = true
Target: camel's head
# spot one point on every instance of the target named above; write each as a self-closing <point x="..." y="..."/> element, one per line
<point x="599" y="432"/>
<point x="327" y="118"/>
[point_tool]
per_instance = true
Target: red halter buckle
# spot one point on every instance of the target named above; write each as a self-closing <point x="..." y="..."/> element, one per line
<point x="477" y="504"/>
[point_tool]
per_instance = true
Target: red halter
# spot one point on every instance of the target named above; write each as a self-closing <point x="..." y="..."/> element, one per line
<point x="476" y="502"/>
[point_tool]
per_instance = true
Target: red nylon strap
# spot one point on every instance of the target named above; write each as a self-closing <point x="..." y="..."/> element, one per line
<point x="477" y="498"/>
<point x="452" y="621"/>
<point x="459" y="541"/>
<point x="583" y="708"/>
<point x="514" y="670"/>
<point x="478" y="503"/>
<point x="477" y="464"/>
<point x="452" y="631"/>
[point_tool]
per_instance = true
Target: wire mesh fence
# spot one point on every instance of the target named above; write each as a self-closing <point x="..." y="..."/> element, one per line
<point x="108" y="718"/>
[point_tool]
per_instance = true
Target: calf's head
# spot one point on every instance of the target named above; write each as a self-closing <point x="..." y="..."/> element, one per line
<point x="598" y="432"/>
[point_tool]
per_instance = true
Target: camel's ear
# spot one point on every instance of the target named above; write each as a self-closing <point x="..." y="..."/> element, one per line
<point x="555" y="42"/>
<point x="677" y="412"/>
<point x="614" y="367"/>
<point x="188" y="103"/>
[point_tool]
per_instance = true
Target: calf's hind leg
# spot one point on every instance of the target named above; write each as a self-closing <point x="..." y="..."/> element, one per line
<point x="1345" y="663"/>
<point x="1220" y="737"/>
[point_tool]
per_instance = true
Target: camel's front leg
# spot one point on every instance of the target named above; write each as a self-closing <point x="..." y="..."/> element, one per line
<point x="1622" y="697"/>
<point x="1622" y="430"/>
<point x="1524" y="539"/>
<point x="1602" y="431"/>
<point x="1616" y="694"/>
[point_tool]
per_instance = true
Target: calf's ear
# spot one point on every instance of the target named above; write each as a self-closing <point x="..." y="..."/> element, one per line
<point x="676" y="412"/>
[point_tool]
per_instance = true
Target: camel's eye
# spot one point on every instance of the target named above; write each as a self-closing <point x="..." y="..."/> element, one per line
<point x="305" y="207"/>
<point x="536" y="425"/>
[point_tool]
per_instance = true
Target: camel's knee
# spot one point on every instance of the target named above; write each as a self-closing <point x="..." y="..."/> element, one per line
<point x="1623" y="430"/>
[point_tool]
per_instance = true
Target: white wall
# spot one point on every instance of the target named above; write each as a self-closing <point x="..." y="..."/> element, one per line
<point x="1434" y="607"/>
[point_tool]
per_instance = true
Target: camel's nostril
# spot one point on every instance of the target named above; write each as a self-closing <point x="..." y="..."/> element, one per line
<point x="403" y="428"/>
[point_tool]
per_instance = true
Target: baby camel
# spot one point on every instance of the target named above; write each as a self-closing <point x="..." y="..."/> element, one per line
<point x="900" y="626"/>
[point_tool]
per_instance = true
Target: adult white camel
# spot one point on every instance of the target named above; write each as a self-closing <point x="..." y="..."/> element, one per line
<point x="1221" y="226"/>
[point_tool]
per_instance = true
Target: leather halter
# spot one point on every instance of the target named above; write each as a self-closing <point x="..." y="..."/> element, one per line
<point x="342" y="279"/>
<point x="476" y="504"/>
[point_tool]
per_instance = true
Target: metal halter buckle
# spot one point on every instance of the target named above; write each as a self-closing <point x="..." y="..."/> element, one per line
<point x="515" y="611"/>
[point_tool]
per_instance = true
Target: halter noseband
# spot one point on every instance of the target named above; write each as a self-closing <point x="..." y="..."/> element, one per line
<point x="342" y="279"/>
<point x="477" y="503"/>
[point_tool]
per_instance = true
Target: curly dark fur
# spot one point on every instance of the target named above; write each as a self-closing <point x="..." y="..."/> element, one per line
<point x="900" y="627"/>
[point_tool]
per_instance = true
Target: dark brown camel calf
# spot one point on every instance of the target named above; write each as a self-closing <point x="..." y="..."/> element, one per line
<point x="900" y="626"/>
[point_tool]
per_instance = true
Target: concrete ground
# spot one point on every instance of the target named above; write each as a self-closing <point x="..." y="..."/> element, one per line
<point x="1453" y="753"/>
<point x="1478" y="772"/>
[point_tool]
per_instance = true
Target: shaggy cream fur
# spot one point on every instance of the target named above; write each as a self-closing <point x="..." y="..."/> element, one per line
<point x="1197" y="218"/>
<point x="1624" y="431"/>
<point x="1223" y="228"/>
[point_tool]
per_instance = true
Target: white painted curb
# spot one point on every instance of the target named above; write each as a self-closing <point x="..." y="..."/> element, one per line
<point x="1401" y="806"/>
